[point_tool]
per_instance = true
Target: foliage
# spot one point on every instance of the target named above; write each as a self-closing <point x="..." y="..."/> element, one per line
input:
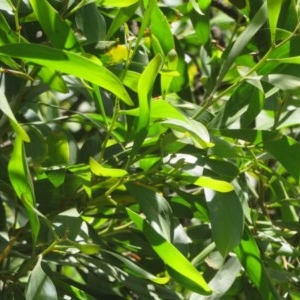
<point x="149" y="149"/>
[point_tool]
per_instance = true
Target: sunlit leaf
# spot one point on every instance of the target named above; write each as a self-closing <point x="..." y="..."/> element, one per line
<point x="156" y="209"/>
<point x="99" y="170"/>
<point x="145" y="86"/>
<point x="250" y="258"/>
<point x="4" y="106"/>
<point x="274" y="8"/>
<point x="214" y="184"/>
<point x="184" y="271"/>
<point x="57" y="29"/>
<point x="70" y="63"/>
<point x="21" y="181"/>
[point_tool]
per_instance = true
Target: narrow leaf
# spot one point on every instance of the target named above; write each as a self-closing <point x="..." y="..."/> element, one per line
<point x="156" y="209"/>
<point x="58" y="30"/>
<point x="138" y="271"/>
<point x="98" y="170"/>
<point x="70" y="63"/>
<point x="4" y="106"/>
<point x="145" y="86"/>
<point x="185" y="273"/>
<point x="256" y="23"/>
<point x="214" y="184"/>
<point x="250" y="258"/>
<point x="274" y="8"/>
<point x="40" y="286"/>
<point x="227" y="219"/>
<point x="118" y="3"/>
<point x="21" y="181"/>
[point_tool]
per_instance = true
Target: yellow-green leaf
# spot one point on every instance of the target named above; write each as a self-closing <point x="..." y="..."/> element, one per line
<point x="98" y="170"/>
<point x="214" y="184"/>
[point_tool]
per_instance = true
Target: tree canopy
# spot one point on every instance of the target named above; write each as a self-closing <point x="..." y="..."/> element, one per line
<point x="149" y="149"/>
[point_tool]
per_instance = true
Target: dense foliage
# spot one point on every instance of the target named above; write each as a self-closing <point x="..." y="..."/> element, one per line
<point x="149" y="149"/>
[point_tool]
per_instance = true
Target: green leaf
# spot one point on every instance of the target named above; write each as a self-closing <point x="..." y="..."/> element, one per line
<point x="274" y="8"/>
<point x="156" y="209"/>
<point x="196" y="7"/>
<point x="285" y="149"/>
<point x="138" y="271"/>
<point x="91" y="23"/>
<point x="4" y="106"/>
<point x="145" y="86"/>
<point x="121" y="17"/>
<point x="227" y="219"/>
<point x="159" y="26"/>
<point x="70" y="63"/>
<point x="40" y="286"/>
<point x="191" y="131"/>
<point x="98" y="170"/>
<point x="118" y="3"/>
<point x="256" y="23"/>
<point x="21" y="181"/>
<point x="185" y="273"/>
<point x="58" y="30"/>
<point x="223" y="279"/>
<point x="214" y="184"/>
<point x="286" y="60"/>
<point x="250" y="258"/>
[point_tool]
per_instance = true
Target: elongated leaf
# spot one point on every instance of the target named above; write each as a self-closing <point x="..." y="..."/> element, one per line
<point x="185" y="273"/>
<point x="274" y="8"/>
<point x="216" y="185"/>
<point x="40" y="286"/>
<point x="4" y="106"/>
<point x="159" y="26"/>
<point x="20" y="178"/>
<point x="285" y="149"/>
<point x="70" y="63"/>
<point x="145" y="86"/>
<point x="91" y="23"/>
<point x="58" y="31"/>
<point x="138" y="271"/>
<point x="223" y="280"/>
<point x="250" y="258"/>
<point x="286" y="60"/>
<point x="256" y="23"/>
<point x="191" y="130"/>
<point x="122" y="16"/>
<point x="227" y="220"/>
<point x="99" y="170"/>
<point x="156" y="209"/>
<point x="118" y="3"/>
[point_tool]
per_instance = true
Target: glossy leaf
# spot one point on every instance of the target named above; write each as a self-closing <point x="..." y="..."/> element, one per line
<point x="58" y="30"/>
<point x="156" y="209"/>
<point x="274" y="8"/>
<point x="21" y="181"/>
<point x="227" y="219"/>
<point x="116" y="3"/>
<point x="145" y="86"/>
<point x="214" y="184"/>
<point x="5" y="108"/>
<point x="70" y="63"/>
<point x="193" y="131"/>
<point x="40" y="286"/>
<point x="256" y="23"/>
<point x="250" y="258"/>
<point x="138" y="271"/>
<point x="184" y="271"/>
<point x="99" y="170"/>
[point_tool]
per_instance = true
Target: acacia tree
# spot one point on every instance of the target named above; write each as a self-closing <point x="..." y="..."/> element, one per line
<point x="149" y="149"/>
